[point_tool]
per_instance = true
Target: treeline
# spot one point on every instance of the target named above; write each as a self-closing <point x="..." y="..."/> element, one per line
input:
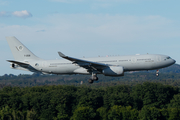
<point x="130" y="79"/>
<point x="147" y="101"/>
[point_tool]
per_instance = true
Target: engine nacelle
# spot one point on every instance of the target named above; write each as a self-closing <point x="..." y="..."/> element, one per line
<point x="12" y="65"/>
<point x="113" y="71"/>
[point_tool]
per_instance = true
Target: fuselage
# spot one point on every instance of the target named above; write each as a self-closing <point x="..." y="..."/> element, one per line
<point x="129" y="63"/>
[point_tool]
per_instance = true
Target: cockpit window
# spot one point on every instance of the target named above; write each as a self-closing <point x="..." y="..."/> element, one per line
<point x="168" y="57"/>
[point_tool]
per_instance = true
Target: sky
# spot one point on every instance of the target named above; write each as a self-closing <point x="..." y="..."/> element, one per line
<point x="90" y="28"/>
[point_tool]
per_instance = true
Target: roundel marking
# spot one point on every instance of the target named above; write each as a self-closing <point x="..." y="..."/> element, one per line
<point x="20" y="48"/>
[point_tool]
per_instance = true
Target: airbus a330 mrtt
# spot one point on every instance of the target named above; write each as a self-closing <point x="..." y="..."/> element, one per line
<point x="108" y="66"/>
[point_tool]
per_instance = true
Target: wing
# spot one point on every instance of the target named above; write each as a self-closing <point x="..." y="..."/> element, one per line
<point x="90" y="65"/>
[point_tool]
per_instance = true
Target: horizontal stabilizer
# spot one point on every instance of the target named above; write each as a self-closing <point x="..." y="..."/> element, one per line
<point x="17" y="62"/>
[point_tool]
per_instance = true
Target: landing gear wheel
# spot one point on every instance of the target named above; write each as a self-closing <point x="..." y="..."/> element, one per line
<point x="90" y="81"/>
<point x="95" y="78"/>
<point x="157" y="73"/>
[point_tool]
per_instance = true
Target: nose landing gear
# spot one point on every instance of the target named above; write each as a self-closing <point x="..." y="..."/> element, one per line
<point x="157" y="73"/>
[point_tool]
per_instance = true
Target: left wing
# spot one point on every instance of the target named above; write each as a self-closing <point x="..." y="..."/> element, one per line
<point x="91" y="66"/>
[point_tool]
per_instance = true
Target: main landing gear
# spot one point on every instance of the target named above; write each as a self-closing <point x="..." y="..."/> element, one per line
<point x="157" y="73"/>
<point x="94" y="78"/>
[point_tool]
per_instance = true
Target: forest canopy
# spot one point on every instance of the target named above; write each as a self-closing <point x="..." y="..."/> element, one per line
<point x="62" y="102"/>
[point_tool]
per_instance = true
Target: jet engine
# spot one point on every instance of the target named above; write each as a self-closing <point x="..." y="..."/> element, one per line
<point x="13" y="65"/>
<point x="113" y="71"/>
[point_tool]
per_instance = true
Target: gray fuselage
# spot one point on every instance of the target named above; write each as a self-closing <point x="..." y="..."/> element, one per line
<point x="129" y="63"/>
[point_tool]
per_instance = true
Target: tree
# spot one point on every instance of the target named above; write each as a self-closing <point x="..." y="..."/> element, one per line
<point x="175" y="102"/>
<point x="174" y="114"/>
<point x="122" y="113"/>
<point x="150" y="113"/>
<point x="93" y="99"/>
<point x="102" y="113"/>
<point x="84" y="113"/>
<point x="114" y="113"/>
<point x="6" y="113"/>
<point x="31" y="115"/>
<point x="153" y="94"/>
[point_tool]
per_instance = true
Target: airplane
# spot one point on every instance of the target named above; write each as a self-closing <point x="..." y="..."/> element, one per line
<point x="108" y="66"/>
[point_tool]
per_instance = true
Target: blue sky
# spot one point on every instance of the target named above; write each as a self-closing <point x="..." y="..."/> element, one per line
<point x="90" y="28"/>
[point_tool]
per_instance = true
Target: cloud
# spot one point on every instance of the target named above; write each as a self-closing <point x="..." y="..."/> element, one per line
<point x="72" y="1"/>
<point x="22" y="14"/>
<point x="4" y="14"/>
<point x="40" y="30"/>
<point x="68" y="1"/>
<point x="101" y="5"/>
<point x="2" y="3"/>
<point x="97" y="4"/>
<point x="98" y="27"/>
<point x="104" y="27"/>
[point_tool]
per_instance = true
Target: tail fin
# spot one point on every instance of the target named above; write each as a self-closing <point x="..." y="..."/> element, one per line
<point x="19" y="51"/>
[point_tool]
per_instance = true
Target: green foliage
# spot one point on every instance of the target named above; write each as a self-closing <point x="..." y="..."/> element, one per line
<point x="153" y="95"/>
<point x="122" y="113"/>
<point x="174" y="114"/>
<point x="175" y="102"/>
<point x="145" y="101"/>
<point x="164" y="113"/>
<point x="150" y="113"/>
<point x="6" y="113"/>
<point x="84" y="113"/>
<point x="31" y="115"/>
<point x="102" y="113"/>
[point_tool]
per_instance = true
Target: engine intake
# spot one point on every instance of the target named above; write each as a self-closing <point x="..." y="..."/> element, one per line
<point x="113" y="71"/>
<point x="13" y="65"/>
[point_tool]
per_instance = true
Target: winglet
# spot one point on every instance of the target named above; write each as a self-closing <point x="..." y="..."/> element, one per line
<point x="61" y="54"/>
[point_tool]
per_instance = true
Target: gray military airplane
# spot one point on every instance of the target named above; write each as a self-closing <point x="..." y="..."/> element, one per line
<point x="108" y="66"/>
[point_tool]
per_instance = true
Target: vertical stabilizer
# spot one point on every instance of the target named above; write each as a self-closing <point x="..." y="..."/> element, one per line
<point x="19" y="51"/>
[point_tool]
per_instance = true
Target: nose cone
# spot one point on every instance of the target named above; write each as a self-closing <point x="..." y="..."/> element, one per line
<point x="171" y="62"/>
<point x="174" y="61"/>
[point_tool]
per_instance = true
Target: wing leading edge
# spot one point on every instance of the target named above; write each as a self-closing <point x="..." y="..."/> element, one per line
<point x="90" y="65"/>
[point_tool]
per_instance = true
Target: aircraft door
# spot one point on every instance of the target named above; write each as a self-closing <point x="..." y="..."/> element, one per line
<point x="43" y="65"/>
<point x="158" y="58"/>
<point x="133" y="60"/>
